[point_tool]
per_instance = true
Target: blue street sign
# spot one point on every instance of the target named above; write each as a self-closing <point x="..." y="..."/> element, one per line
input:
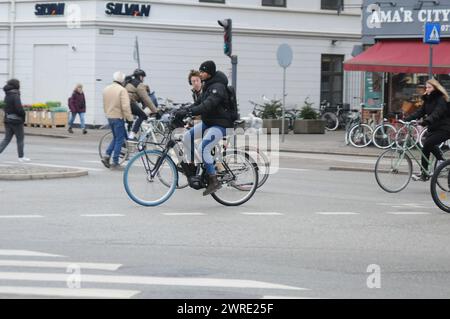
<point x="432" y="33"/>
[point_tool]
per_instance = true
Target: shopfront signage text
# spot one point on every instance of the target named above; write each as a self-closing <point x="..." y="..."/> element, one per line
<point x="128" y="9"/>
<point x="403" y="19"/>
<point x="49" y="9"/>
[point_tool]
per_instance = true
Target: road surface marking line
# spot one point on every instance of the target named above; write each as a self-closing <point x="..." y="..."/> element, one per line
<point x="102" y="215"/>
<point x="25" y="253"/>
<point x="294" y="169"/>
<point x="21" y="216"/>
<point x="142" y="280"/>
<point x="408" y="213"/>
<point x="262" y="213"/>
<point x="183" y="214"/>
<point x="67" y="292"/>
<point x="287" y="297"/>
<point x="62" y="166"/>
<point x="64" y="264"/>
<point x="337" y="213"/>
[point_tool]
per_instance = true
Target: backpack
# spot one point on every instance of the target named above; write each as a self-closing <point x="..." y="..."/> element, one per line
<point x="232" y="106"/>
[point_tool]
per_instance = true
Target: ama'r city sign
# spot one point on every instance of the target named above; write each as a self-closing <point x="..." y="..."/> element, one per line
<point x="403" y="18"/>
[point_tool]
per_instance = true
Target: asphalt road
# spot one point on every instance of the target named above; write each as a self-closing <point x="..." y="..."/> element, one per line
<point x="308" y="233"/>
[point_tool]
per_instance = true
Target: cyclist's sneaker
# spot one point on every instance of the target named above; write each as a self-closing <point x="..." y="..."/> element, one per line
<point x="439" y="162"/>
<point x="213" y="185"/>
<point x="116" y="167"/>
<point x="105" y="161"/>
<point x="420" y="177"/>
<point x="24" y="159"/>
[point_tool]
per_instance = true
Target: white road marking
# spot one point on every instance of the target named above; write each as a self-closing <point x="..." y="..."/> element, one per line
<point x="337" y="213"/>
<point x="66" y="292"/>
<point x="287" y="297"/>
<point x="63" y="264"/>
<point x="408" y="213"/>
<point x="262" y="213"/>
<point x="63" y="166"/>
<point x="21" y="216"/>
<point x="183" y="214"/>
<point x="142" y="280"/>
<point x="26" y="253"/>
<point x="102" y="215"/>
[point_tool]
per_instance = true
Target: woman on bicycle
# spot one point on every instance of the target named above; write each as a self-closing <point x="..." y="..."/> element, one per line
<point x="436" y="114"/>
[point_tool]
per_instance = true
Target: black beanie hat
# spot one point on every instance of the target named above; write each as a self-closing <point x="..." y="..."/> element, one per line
<point x="208" y="67"/>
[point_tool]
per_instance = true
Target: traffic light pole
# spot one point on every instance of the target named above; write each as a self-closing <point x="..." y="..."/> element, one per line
<point x="234" y="62"/>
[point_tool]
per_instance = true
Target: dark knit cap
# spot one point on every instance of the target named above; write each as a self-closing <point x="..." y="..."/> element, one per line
<point x="208" y="67"/>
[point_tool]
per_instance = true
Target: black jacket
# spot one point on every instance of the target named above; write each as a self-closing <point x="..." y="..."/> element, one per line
<point x="12" y="101"/>
<point x="211" y="105"/>
<point x="436" y="110"/>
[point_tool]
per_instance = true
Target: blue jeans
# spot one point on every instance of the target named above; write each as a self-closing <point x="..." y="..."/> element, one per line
<point x="118" y="130"/>
<point x="213" y="136"/>
<point x="73" y="115"/>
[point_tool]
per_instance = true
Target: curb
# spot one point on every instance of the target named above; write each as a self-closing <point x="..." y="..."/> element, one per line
<point x="351" y="169"/>
<point x="47" y="175"/>
<point x="40" y="134"/>
<point x="328" y="153"/>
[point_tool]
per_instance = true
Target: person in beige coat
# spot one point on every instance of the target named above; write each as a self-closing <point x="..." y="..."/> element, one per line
<point x="116" y="104"/>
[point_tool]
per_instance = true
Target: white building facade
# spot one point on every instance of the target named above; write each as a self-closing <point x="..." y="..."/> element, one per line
<point x="51" y="46"/>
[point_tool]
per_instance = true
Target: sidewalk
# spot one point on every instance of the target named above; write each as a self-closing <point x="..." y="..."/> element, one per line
<point x="331" y="143"/>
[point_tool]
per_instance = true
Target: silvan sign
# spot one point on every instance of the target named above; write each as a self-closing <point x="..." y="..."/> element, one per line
<point x="49" y="9"/>
<point x="127" y="9"/>
<point x="403" y="18"/>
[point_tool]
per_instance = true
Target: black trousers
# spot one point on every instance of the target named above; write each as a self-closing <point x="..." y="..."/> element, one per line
<point x="136" y="110"/>
<point x="10" y="131"/>
<point x="430" y="145"/>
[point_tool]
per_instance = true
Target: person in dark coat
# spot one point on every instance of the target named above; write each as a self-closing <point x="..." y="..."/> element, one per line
<point x="14" y="118"/>
<point x="436" y="116"/>
<point x="77" y="105"/>
<point x="215" y="121"/>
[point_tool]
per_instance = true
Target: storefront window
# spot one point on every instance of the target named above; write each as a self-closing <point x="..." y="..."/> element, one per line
<point x="405" y="91"/>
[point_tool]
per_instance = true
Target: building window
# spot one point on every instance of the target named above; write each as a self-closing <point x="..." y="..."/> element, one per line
<point x="332" y="76"/>
<point x="274" y="3"/>
<point x="213" y="1"/>
<point x="331" y="4"/>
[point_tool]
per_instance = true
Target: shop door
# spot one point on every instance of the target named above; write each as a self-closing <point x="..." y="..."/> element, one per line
<point x="50" y="74"/>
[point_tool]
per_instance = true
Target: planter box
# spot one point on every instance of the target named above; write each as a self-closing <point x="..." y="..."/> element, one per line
<point x="33" y="118"/>
<point x="275" y="124"/>
<point x="46" y="119"/>
<point x="309" y="127"/>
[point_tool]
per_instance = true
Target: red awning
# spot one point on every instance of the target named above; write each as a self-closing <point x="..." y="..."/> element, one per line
<point x="402" y="56"/>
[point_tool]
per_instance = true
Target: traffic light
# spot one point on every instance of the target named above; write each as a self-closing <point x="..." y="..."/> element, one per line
<point x="227" y="36"/>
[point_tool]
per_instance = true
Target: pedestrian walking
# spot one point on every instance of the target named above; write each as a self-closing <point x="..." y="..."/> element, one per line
<point x="116" y="104"/>
<point x="77" y="106"/>
<point x="14" y="118"/>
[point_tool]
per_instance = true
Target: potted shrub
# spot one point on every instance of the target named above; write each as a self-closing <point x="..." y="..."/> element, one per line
<point x="271" y="115"/>
<point x="309" y="122"/>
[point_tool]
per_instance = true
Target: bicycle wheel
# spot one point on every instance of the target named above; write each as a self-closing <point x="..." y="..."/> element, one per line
<point x="393" y="170"/>
<point x="262" y="162"/>
<point x="239" y="179"/>
<point x="331" y="121"/>
<point x="403" y="138"/>
<point x="384" y="136"/>
<point x="141" y="186"/>
<point x="360" y="135"/>
<point x="104" y="143"/>
<point x="440" y="186"/>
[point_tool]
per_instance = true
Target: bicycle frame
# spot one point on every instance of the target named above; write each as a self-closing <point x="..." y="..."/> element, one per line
<point x="405" y="150"/>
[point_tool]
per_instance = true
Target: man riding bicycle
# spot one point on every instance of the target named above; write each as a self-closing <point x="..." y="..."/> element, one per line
<point x="215" y="121"/>
<point x="137" y="91"/>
